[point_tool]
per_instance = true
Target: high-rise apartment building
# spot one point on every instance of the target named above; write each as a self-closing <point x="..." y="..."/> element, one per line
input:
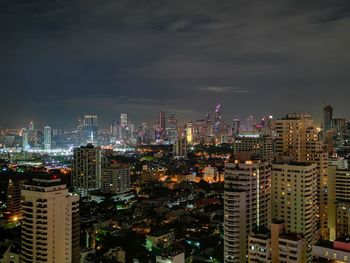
<point x="293" y="134"/>
<point x="254" y="141"/>
<point x="246" y="203"/>
<point x="86" y="169"/>
<point x="294" y="199"/>
<point x="50" y="225"/>
<point x="116" y="178"/>
<point x="47" y="138"/>
<point x="298" y="138"/>
<point x="339" y="199"/>
<point x="14" y="198"/>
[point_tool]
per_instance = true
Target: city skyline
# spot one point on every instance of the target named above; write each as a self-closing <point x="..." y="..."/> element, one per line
<point x="72" y="122"/>
<point x="174" y="131"/>
<point x="68" y="59"/>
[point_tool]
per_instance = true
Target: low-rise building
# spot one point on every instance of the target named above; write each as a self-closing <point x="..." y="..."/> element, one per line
<point x="276" y="246"/>
<point x="173" y="257"/>
<point x="337" y="251"/>
<point x="160" y="239"/>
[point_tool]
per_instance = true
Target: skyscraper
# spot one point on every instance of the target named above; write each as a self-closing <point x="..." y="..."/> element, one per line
<point x="31" y="126"/>
<point x="209" y="128"/>
<point x="236" y="126"/>
<point x="180" y="147"/>
<point x="90" y="130"/>
<point x="327" y="117"/>
<point x="251" y="123"/>
<point x="47" y="138"/>
<point x="217" y="124"/>
<point x="86" y="169"/>
<point x="172" y="128"/>
<point x="189" y="132"/>
<point x="338" y="131"/>
<point x="123" y="120"/>
<point x="266" y="125"/>
<point x="124" y="127"/>
<point x="50" y="225"/>
<point x="32" y="135"/>
<point x="246" y="203"/>
<point x="25" y="144"/>
<point x="115" y="129"/>
<point x="161" y="122"/>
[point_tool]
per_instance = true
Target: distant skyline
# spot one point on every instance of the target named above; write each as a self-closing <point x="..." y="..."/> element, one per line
<point x="103" y="123"/>
<point x="63" y="59"/>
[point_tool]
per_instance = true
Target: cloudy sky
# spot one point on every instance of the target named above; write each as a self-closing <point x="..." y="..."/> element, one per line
<point x="60" y="59"/>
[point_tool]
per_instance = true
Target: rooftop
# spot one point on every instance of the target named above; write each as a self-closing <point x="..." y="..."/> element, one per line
<point x="291" y="236"/>
<point x="45" y="181"/>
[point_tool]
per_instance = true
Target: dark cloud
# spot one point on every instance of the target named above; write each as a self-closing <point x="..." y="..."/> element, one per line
<point x="60" y="59"/>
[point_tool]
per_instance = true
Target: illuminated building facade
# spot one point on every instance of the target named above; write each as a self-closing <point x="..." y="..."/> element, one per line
<point x="47" y="138"/>
<point x="339" y="199"/>
<point x="180" y="147"/>
<point x="172" y="128"/>
<point x="51" y="224"/>
<point x="254" y="141"/>
<point x="115" y="178"/>
<point x="298" y="138"/>
<point x="123" y="120"/>
<point x="25" y="143"/>
<point x="294" y="199"/>
<point x="161" y="125"/>
<point x="276" y="245"/>
<point x="189" y="132"/>
<point x="236" y="126"/>
<point x="14" y="199"/>
<point x="246" y="203"/>
<point x="217" y="122"/>
<point x="86" y="169"/>
<point x="337" y="251"/>
<point x="89" y="130"/>
<point x="251" y="123"/>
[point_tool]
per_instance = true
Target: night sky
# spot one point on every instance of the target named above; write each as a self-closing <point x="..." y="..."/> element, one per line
<point x="62" y="59"/>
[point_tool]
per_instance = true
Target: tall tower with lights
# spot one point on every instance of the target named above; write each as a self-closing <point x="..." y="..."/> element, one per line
<point x="47" y="138"/>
